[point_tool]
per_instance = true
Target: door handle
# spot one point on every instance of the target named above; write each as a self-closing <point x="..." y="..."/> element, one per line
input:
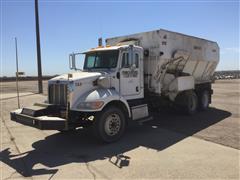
<point x="118" y="75"/>
<point x="137" y="89"/>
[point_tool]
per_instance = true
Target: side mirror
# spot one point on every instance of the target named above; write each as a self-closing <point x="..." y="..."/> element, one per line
<point x="72" y="61"/>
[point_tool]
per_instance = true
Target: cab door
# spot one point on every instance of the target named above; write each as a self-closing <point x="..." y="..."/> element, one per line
<point x="130" y="77"/>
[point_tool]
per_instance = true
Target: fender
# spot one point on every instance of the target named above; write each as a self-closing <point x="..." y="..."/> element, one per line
<point x="100" y="94"/>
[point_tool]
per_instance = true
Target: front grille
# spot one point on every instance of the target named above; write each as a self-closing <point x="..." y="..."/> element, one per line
<point x="57" y="94"/>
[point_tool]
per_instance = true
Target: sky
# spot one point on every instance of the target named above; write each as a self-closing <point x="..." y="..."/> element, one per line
<point x="75" y="26"/>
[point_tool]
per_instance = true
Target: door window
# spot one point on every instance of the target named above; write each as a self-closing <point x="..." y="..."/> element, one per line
<point x="136" y="59"/>
<point x="125" y="60"/>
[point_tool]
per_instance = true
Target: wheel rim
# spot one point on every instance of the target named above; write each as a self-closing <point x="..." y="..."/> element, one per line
<point x="192" y="104"/>
<point x="112" y="124"/>
<point x="205" y="100"/>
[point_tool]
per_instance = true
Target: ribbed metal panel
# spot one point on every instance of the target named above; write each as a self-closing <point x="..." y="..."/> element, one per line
<point x="57" y="94"/>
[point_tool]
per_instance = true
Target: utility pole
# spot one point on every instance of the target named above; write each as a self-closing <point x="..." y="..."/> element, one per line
<point x="40" y="86"/>
<point x="17" y="72"/>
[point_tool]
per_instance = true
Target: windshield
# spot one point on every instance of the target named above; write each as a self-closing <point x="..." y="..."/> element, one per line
<point x="101" y="59"/>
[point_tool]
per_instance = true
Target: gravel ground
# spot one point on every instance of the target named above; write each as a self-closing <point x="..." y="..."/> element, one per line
<point x="24" y="86"/>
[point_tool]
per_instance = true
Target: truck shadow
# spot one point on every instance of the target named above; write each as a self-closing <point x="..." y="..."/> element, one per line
<point x="81" y="147"/>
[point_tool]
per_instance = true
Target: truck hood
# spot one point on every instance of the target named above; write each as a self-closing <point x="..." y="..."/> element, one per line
<point x="77" y="76"/>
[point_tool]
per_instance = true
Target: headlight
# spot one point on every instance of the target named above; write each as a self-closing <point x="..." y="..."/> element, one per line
<point x="90" y="105"/>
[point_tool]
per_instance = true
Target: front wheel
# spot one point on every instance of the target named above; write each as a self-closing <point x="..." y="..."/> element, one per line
<point x="110" y="125"/>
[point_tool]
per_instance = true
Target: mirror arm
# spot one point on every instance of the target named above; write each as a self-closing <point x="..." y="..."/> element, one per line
<point x="69" y="58"/>
<point x="72" y="62"/>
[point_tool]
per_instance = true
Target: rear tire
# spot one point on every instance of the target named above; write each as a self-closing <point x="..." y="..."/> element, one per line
<point x="187" y="102"/>
<point x="110" y="125"/>
<point x="204" y="100"/>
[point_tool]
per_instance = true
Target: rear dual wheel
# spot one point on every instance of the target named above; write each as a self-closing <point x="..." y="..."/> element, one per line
<point x="204" y="100"/>
<point x="189" y="102"/>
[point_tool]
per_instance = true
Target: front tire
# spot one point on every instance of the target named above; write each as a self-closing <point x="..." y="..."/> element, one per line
<point x="110" y="125"/>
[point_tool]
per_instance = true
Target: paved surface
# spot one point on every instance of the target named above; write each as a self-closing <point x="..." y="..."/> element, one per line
<point x="11" y="95"/>
<point x="220" y="124"/>
<point x="24" y="86"/>
<point x="171" y="146"/>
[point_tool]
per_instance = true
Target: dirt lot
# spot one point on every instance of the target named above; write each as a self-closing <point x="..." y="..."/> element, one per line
<point x="205" y="145"/>
<point x="24" y="86"/>
<point x="220" y="124"/>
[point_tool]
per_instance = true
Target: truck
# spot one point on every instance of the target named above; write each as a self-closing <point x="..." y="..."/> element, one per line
<point x="121" y="83"/>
